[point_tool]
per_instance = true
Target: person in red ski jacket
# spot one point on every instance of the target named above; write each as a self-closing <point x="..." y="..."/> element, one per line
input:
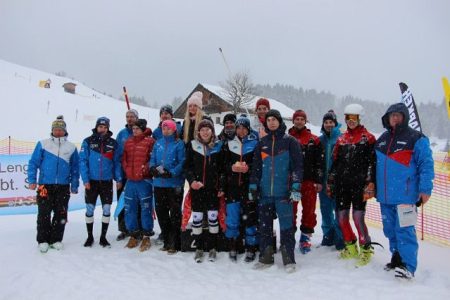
<point x="135" y="163"/>
<point x="313" y="154"/>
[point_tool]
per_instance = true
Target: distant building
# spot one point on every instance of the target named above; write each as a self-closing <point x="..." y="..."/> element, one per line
<point x="69" y="87"/>
<point x="216" y="104"/>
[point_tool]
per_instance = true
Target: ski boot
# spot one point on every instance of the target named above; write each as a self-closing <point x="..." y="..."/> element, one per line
<point x="104" y="242"/>
<point x="288" y="262"/>
<point x="266" y="260"/>
<point x="350" y="250"/>
<point x="145" y="244"/>
<point x="198" y="256"/>
<point x="396" y="261"/>
<point x="305" y="243"/>
<point x="43" y="247"/>
<point x="365" y="256"/>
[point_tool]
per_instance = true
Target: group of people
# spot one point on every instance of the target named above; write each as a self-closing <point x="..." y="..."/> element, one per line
<point x="258" y="169"/>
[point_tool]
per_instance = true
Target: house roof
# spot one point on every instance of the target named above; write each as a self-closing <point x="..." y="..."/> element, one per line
<point x="285" y="111"/>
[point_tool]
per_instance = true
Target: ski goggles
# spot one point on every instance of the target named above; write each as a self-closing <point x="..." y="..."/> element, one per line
<point x="353" y="118"/>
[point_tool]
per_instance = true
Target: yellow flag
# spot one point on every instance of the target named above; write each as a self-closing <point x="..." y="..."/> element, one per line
<point x="447" y="94"/>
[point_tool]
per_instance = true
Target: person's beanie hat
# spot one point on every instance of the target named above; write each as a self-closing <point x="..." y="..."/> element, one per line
<point x="196" y="98"/>
<point x="170" y="124"/>
<point x="299" y="113"/>
<point x="229" y="117"/>
<point x="166" y="108"/>
<point x="134" y="112"/>
<point x="59" y="123"/>
<point x="141" y="123"/>
<point x="243" y="121"/>
<point x="206" y="123"/>
<point x="263" y="101"/>
<point x="330" y="115"/>
<point x="102" y="121"/>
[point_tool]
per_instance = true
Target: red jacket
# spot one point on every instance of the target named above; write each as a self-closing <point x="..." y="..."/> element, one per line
<point x="136" y="156"/>
<point x="313" y="154"/>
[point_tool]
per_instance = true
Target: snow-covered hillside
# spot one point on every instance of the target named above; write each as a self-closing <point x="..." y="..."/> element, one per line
<point x="28" y="110"/>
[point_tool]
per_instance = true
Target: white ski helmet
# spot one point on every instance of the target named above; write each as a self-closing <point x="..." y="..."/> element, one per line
<point x="354" y="109"/>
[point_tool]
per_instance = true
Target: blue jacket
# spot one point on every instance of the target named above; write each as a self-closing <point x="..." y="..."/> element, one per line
<point x="277" y="164"/>
<point x="328" y="142"/>
<point x="405" y="164"/>
<point x="157" y="133"/>
<point x="99" y="158"/>
<point x="169" y="153"/>
<point x="57" y="161"/>
<point x="121" y="138"/>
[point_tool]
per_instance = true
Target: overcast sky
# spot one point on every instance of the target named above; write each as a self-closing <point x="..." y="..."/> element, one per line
<point x="162" y="49"/>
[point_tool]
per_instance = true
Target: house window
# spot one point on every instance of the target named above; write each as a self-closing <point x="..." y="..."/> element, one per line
<point x="217" y="120"/>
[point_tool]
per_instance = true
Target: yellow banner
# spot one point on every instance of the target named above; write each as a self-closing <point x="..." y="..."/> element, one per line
<point x="447" y="94"/>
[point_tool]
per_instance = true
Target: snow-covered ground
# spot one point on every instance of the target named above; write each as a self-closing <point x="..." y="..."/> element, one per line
<point x="117" y="273"/>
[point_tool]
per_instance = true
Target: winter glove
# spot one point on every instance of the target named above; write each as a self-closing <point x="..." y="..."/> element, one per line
<point x="166" y="174"/>
<point x="295" y="192"/>
<point x="252" y="192"/>
<point x="154" y="172"/>
<point x="369" y="191"/>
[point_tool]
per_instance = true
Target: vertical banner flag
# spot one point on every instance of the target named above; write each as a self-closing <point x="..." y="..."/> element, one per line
<point x="408" y="99"/>
<point x="447" y="94"/>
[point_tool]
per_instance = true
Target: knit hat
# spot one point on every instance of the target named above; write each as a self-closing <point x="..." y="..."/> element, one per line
<point x="59" y="123"/>
<point x="166" y="108"/>
<point x="206" y="123"/>
<point x="197" y="99"/>
<point x="169" y="124"/>
<point x="102" y="121"/>
<point x="134" y="112"/>
<point x="141" y="123"/>
<point x="243" y="121"/>
<point x="330" y="115"/>
<point x="274" y="113"/>
<point x="299" y="113"/>
<point x="263" y="101"/>
<point x="229" y="117"/>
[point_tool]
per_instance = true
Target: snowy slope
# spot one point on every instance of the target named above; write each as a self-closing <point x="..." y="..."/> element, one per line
<point x="24" y="105"/>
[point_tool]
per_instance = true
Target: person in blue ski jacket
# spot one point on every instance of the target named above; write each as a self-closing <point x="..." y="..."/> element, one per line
<point x="405" y="173"/>
<point x="238" y="154"/>
<point x="332" y="234"/>
<point x="277" y="172"/>
<point x="166" y="166"/>
<point x="99" y="165"/>
<point x="166" y="113"/>
<point x="131" y="117"/>
<point x="58" y="163"/>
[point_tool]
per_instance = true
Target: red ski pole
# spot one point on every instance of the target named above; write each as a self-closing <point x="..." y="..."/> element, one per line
<point x="126" y="97"/>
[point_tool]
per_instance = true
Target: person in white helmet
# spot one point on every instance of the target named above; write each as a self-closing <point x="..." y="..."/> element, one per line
<point x="351" y="182"/>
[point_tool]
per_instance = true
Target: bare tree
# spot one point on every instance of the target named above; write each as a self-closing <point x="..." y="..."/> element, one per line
<point x="240" y="90"/>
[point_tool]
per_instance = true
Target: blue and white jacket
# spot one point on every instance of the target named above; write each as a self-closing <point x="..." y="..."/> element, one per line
<point x="99" y="158"/>
<point x="58" y="163"/>
<point x="169" y="153"/>
<point x="405" y="164"/>
<point x="277" y="164"/>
